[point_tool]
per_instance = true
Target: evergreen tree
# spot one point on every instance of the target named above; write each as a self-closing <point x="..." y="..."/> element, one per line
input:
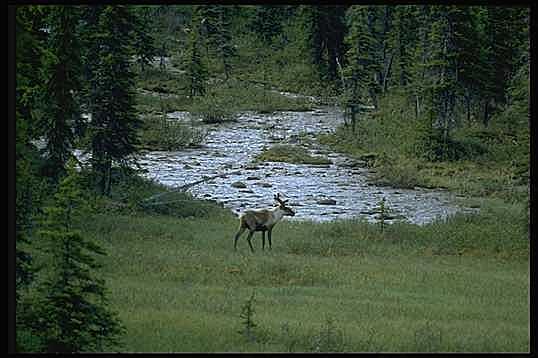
<point x="89" y="48"/>
<point x="336" y="31"/>
<point x="61" y="74"/>
<point x="195" y="68"/>
<point x="405" y="40"/>
<point x="503" y="29"/>
<point x="217" y="30"/>
<point x="470" y="69"/>
<point x="420" y="57"/>
<point x="266" y="23"/>
<point x="360" y="68"/>
<point x="226" y="49"/>
<point x="266" y="26"/>
<point x="114" y="123"/>
<point x="441" y="67"/>
<point x="71" y="314"/>
<point x="144" y="43"/>
<point x="379" y="22"/>
<point x="323" y="30"/>
<point x="29" y="53"/>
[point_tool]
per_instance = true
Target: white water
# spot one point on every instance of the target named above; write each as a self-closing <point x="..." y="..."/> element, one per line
<point x="232" y="146"/>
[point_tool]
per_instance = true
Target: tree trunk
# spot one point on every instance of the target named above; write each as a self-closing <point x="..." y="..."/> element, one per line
<point x="387" y="72"/>
<point x="486" y="113"/>
<point x="353" y="118"/>
<point x="468" y="107"/>
<point x="108" y="177"/>
<point x="417" y="106"/>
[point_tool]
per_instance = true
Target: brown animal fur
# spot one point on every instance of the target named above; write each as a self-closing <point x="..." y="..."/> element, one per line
<point x="262" y="220"/>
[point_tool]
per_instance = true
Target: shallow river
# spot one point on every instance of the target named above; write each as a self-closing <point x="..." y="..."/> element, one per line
<point x="230" y="148"/>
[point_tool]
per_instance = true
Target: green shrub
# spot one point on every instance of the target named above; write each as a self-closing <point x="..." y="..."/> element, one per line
<point x="151" y="104"/>
<point x="436" y="148"/>
<point x="399" y="172"/>
<point x="212" y="108"/>
<point x="163" y="134"/>
<point x="329" y="338"/>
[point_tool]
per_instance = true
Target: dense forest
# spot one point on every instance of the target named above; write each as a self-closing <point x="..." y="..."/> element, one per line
<point x="432" y="96"/>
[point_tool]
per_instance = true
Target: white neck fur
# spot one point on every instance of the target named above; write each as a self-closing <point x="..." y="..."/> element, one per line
<point x="278" y="213"/>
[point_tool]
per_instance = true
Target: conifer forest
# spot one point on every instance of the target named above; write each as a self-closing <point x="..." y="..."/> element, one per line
<point x="271" y="178"/>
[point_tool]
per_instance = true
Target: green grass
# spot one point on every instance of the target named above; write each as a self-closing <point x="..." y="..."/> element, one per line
<point x="455" y="285"/>
<point x="159" y="133"/>
<point x="291" y="154"/>
<point x="479" y="161"/>
<point x="222" y="101"/>
<point x="459" y="285"/>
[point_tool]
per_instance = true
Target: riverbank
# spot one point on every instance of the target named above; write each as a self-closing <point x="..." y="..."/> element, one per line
<point x="331" y="186"/>
<point x="455" y="285"/>
<point x="476" y="161"/>
<point x="458" y="283"/>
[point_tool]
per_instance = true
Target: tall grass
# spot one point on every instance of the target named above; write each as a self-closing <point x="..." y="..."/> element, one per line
<point x="460" y="284"/>
<point x="474" y="161"/>
<point x="161" y="133"/>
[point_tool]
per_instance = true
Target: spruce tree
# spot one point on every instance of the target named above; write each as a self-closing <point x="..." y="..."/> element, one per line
<point x="336" y="30"/>
<point x="61" y="75"/>
<point x="441" y="65"/>
<point x="470" y="69"/>
<point x="195" y="67"/>
<point x="144" y="43"/>
<point x="503" y="29"/>
<point x="376" y="27"/>
<point x="323" y="30"/>
<point x="71" y="314"/>
<point x="360" y="68"/>
<point x="405" y="41"/>
<point x="30" y="45"/>
<point x="114" y="123"/>
<point x="266" y="23"/>
<point x="226" y="49"/>
<point x="216" y="28"/>
<point x="420" y="55"/>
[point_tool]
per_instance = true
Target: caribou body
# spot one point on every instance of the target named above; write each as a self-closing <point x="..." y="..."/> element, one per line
<point x="262" y="220"/>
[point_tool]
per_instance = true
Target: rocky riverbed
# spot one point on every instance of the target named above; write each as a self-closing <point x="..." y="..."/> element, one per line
<point x="339" y="190"/>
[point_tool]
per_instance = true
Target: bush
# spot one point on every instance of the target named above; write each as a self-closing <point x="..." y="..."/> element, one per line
<point x="211" y="109"/>
<point x="398" y="172"/>
<point x="151" y="104"/>
<point x="163" y="134"/>
<point x="435" y="148"/>
<point x="137" y="194"/>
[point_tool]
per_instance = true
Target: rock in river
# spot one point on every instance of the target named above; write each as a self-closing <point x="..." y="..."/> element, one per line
<point x="326" y="202"/>
<point x="239" y="184"/>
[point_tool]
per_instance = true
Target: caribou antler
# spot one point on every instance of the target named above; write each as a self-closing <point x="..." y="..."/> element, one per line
<point x="280" y="201"/>
<point x="262" y="220"/>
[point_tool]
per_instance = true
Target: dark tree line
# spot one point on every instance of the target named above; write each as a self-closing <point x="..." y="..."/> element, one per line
<point x="448" y="59"/>
<point x="70" y="60"/>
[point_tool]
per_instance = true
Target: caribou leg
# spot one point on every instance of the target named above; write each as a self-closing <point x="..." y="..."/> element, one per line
<point x="241" y="231"/>
<point x="248" y="240"/>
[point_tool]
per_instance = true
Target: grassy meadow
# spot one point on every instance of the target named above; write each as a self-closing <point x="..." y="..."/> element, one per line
<point x="460" y="285"/>
<point x="444" y="117"/>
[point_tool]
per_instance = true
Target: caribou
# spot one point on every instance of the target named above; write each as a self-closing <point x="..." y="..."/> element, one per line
<point x="262" y="220"/>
